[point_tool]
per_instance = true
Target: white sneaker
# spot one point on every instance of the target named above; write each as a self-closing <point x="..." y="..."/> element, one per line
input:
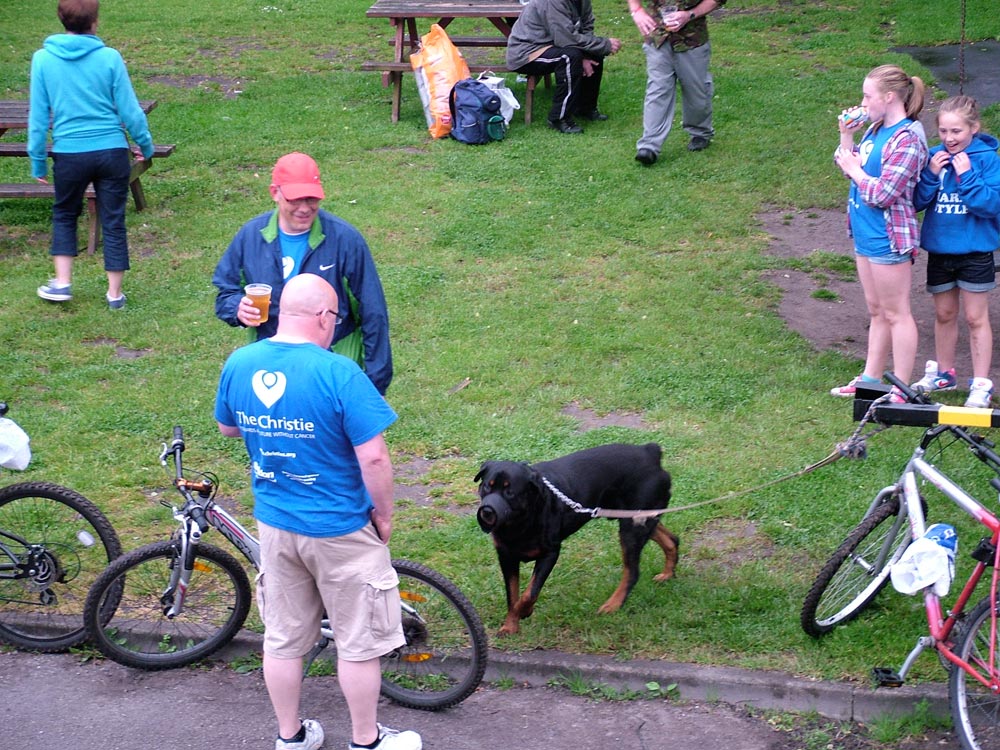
<point x="313" y="740"/>
<point x="934" y="379"/>
<point x="980" y="393"/>
<point x="391" y="739"/>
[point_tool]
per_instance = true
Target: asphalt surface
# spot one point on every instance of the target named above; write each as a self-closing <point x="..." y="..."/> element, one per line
<point x="970" y="70"/>
<point x="59" y="701"/>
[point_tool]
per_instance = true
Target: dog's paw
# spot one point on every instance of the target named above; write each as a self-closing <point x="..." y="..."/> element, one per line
<point x="661" y="577"/>
<point x="610" y="606"/>
<point x="511" y="625"/>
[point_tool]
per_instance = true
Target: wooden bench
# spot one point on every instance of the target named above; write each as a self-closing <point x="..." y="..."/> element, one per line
<point x="48" y="190"/>
<point x="391" y="69"/>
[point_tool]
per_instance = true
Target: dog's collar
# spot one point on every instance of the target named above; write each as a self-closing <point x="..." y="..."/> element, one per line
<point x="599" y="512"/>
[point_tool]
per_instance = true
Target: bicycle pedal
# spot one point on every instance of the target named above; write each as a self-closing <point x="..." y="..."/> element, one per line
<point x="885" y="677"/>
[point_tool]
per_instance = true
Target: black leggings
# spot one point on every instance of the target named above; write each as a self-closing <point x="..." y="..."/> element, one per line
<point x="575" y="93"/>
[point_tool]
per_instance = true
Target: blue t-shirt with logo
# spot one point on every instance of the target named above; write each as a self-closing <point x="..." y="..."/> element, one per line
<point x="301" y="411"/>
<point x="293" y="250"/>
<point x="868" y="222"/>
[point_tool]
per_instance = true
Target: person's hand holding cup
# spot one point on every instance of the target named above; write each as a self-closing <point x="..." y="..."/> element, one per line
<point x="254" y="307"/>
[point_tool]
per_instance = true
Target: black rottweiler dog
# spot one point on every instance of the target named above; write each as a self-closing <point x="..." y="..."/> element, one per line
<point x="529" y="521"/>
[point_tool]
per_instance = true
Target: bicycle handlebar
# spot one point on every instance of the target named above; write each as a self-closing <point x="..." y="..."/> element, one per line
<point x="919" y="408"/>
<point x="177" y="448"/>
<point x="203" y="487"/>
<point x="918" y="411"/>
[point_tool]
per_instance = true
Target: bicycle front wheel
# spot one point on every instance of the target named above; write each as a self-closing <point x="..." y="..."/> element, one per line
<point x="54" y="543"/>
<point x="139" y="633"/>
<point x="975" y="708"/>
<point x="858" y="570"/>
<point x="444" y="658"/>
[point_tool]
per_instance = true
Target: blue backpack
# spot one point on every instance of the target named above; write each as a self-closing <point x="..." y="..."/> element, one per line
<point x="475" y="113"/>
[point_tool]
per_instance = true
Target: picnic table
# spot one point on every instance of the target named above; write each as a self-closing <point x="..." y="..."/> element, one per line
<point x="404" y="15"/>
<point x="14" y="116"/>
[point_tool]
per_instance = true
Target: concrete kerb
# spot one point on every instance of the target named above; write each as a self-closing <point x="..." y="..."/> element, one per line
<point x="841" y="701"/>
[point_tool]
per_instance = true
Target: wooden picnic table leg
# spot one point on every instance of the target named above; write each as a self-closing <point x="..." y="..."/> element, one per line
<point x="397" y="93"/>
<point x="395" y="77"/>
<point x="503" y="24"/>
<point x="138" y="167"/>
<point x="412" y="37"/>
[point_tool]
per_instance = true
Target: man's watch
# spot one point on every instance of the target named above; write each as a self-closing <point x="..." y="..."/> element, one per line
<point x="693" y="16"/>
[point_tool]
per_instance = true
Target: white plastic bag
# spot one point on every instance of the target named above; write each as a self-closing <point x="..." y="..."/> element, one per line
<point x="928" y="561"/>
<point x="508" y="102"/>
<point x="15" y="451"/>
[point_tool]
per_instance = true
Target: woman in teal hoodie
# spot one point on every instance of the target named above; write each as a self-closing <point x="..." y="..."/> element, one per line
<point x="83" y="88"/>
<point x="959" y="191"/>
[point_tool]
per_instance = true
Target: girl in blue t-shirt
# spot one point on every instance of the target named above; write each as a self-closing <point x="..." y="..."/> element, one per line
<point x="884" y="169"/>
<point x="959" y="190"/>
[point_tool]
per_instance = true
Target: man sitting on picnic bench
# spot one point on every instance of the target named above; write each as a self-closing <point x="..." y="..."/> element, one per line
<point x="557" y="36"/>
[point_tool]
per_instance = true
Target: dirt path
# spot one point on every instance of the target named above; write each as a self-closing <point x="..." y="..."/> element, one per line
<point x="841" y="324"/>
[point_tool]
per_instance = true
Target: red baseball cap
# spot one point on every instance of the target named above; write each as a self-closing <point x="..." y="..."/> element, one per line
<point x="298" y="177"/>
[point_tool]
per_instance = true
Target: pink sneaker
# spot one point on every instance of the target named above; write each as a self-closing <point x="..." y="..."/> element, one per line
<point x="846" y="391"/>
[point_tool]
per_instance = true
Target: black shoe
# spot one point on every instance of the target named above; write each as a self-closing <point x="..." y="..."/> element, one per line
<point x="646" y="157"/>
<point x="698" y="143"/>
<point x="565" y="125"/>
<point x="594" y="115"/>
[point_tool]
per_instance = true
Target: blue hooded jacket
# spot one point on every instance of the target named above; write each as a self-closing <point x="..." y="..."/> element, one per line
<point x="84" y="88"/>
<point x="962" y="212"/>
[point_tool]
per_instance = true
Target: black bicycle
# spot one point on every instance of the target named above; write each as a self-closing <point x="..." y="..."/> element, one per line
<point x="175" y="602"/>
<point x="54" y="543"/>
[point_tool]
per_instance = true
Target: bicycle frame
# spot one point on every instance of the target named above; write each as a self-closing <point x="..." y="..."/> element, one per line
<point x="217" y="517"/>
<point x="13" y="569"/>
<point x="941" y="626"/>
<point x="31" y="564"/>
<point x="190" y="534"/>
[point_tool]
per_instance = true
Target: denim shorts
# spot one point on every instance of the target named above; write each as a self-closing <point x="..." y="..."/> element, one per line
<point x="973" y="272"/>
<point x="886" y="258"/>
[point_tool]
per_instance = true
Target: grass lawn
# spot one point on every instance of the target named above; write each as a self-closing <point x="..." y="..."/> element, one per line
<point x="547" y="270"/>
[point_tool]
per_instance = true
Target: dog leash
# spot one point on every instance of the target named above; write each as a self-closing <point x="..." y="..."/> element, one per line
<point x="853" y="447"/>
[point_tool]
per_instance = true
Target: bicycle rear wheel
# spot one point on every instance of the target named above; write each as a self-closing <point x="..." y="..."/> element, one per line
<point x="54" y="543"/>
<point x="975" y="709"/>
<point x="139" y="634"/>
<point x="858" y="570"/>
<point x="444" y="658"/>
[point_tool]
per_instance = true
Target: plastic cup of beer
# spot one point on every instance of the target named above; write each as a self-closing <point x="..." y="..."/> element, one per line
<point x="665" y="12"/>
<point x="260" y="296"/>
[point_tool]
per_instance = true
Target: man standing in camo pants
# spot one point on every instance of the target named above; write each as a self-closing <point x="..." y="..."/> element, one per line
<point x="677" y="51"/>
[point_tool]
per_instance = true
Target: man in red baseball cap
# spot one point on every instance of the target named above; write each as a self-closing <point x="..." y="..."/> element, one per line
<point x="300" y="237"/>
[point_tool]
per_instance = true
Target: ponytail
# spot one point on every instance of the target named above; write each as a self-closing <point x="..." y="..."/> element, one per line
<point x="915" y="99"/>
<point x="910" y="90"/>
